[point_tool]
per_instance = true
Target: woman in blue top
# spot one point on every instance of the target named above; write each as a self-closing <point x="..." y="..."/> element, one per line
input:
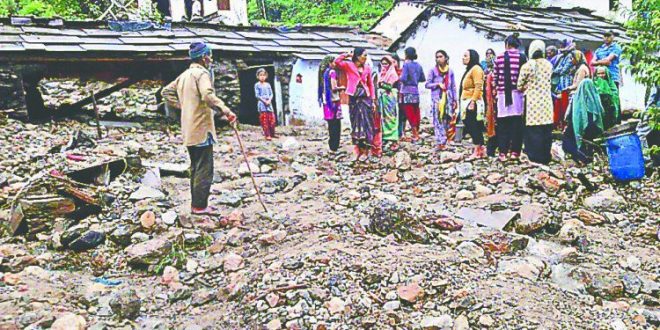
<point x="412" y="75"/>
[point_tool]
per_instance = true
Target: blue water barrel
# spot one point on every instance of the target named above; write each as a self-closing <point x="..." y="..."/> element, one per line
<point x="625" y="156"/>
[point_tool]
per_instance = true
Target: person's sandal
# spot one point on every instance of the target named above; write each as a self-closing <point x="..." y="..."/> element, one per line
<point x="209" y="210"/>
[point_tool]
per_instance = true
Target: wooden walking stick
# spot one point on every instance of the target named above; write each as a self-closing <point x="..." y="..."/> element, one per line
<point x="240" y="144"/>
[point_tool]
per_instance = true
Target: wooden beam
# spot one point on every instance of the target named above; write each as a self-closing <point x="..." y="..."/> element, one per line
<point x="97" y="96"/>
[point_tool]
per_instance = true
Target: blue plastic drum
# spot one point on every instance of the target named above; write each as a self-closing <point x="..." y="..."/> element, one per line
<point x="624" y="153"/>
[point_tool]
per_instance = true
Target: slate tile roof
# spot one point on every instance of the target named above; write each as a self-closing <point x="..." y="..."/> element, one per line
<point x="37" y="37"/>
<point x="549" y="23"/>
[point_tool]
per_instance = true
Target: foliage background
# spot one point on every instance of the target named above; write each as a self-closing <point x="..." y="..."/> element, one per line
<point x="359" y="13"/>
<point x="644" y="50"/>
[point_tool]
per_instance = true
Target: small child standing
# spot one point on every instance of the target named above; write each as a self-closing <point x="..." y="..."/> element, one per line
<point x="264" y="94"/>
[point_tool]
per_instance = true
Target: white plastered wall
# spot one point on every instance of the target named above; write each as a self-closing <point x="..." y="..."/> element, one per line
<point x="441" y="33"/>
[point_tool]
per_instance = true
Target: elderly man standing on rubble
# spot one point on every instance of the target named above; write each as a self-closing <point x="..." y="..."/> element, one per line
<point x="193" y="93"/>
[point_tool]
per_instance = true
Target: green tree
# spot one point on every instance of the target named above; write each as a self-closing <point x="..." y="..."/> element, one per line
<point x="644" y="50"/>
<point x="70" y="9"/>
<point x="357" y="13"/>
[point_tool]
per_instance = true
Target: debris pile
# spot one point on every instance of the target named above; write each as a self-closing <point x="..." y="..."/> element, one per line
<point x="98" y="233"/>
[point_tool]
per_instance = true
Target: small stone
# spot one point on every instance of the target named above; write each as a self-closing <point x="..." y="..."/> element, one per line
<point x="391" y="176"/>
<point x="437" y="323"/>
<point x="486" y="321"/>
<point x="181" y="293"/>
<point x="533" y="217"/>
<point x="11" y="279"/>
<point x="461" y="323"/>
<point x="605" y="286"/>
<point x="148" y="219"/>
<point x="631" y="284"/>
<point x="618" y="325"/>
<point x="244" y="171"/>
<point x="482" y="191"/>
<point x="394" y="278"/>
<point x="145" y="192"/>
<point x="232" y="262"/>
<point x="169" y="217"/>
<point x="530" y="268"/>
<point x="402" y="160"/>
<point x="69" y="321"/>
<point x="272" y="299"/>
<point x="571" y="230"/>
<point x="470" y="250"/>
<point x="494" y="178"/>
<point x="633" y="263"/>
<point x="273" y="237"/>
<point x="274" y="324"/>
<point x="590" y="218"/>
<point x="202" y="297"/>
<point x="464" y="170"/>
<point x="606" y="200"/>
<point x="290" y="144"/>
<point x="170" y="275"/>
<point x="464" y="195"/>
<point x="391" y="306"/>
<point x="126" y="304"/>
<point x="410" y="293"/>
<point x="191" y="266"/>
<point x="391" y="295"/>
<point x="335" y="306"/>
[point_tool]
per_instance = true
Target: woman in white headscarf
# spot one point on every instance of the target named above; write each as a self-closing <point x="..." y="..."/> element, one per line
<point x="535" y="81"/>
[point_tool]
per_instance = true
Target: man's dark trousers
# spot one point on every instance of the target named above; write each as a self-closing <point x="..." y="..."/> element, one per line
<point x="201" y="175"/>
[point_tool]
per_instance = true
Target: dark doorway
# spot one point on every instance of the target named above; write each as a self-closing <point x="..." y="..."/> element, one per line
<point x="248" y="113"/>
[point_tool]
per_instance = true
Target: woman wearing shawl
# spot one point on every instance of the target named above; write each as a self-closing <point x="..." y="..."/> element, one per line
<point x="562" y="78"/>
<point x="329" y="99"/>
<point x="510" y="101"/>
<point x="582" y="70"/>
<point x="585" y="121"/>
<point x="412" y="75"/>
<point x="489" y="61"/>
<point x="362" y="104"/>
<point x="388" y="100"/>
<point x="534" y="81"/>
<point x="609" y="97"/>
<point x="472" y="104"/>
<point x="440" y="80"/>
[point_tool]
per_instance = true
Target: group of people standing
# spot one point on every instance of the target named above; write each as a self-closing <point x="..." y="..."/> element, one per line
<point x="515" y="98"/>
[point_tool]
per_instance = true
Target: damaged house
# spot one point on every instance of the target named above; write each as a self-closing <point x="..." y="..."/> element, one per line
<point x="456" y="26"/>
<point x="33" y="49"/>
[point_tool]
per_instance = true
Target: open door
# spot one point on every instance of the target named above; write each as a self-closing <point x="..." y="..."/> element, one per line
<point x="248" y="113"/>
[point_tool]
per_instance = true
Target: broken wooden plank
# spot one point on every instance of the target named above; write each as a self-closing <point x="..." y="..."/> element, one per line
<point x="103" y="174"/>
<point x="119" y="124"/>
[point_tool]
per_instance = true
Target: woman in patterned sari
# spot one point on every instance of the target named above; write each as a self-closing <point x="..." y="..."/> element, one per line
<point x="388" y="97"/>
<point x="362" y="104"/>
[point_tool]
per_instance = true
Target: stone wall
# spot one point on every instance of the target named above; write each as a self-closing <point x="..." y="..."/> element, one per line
<point x="283" y="71"/>
<point x="11" y="89"/>
<point x="227" y="86"/>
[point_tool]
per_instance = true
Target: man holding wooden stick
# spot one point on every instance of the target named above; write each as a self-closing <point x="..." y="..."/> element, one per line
<point x="193" y="93"/>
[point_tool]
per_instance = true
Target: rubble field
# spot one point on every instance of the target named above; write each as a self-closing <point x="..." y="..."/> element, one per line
<point x="97" y="234"/>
